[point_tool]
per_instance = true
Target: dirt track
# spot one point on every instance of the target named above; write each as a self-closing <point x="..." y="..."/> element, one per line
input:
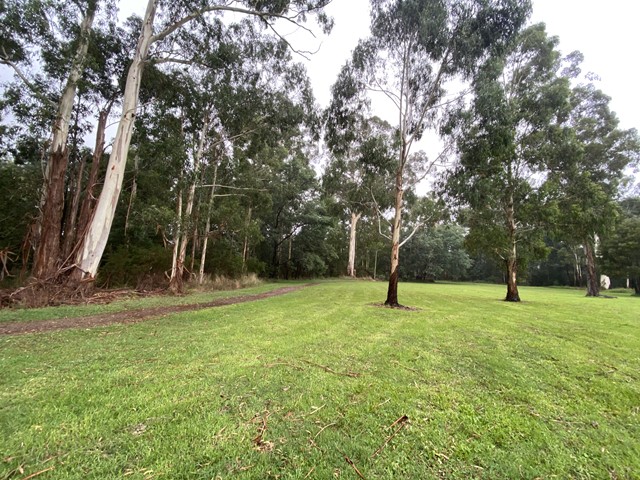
<point x="132" y="316"/>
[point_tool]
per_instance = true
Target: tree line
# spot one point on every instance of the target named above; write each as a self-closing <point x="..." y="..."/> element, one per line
<point x="223" y="163"/>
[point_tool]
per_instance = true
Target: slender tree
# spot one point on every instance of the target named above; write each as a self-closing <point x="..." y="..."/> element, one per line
<point x="359" y="167"/>
<point x="504" y="140"/>
<point x="415" y="48"/>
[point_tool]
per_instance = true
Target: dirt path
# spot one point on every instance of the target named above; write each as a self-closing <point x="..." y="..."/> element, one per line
<point x="132" y="316"/>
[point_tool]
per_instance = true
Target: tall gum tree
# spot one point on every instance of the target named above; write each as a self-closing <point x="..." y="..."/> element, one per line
<point x="416" y="47"/>
<point x="12" y="54"/>
<point x="589" y="173"/>
<point x="503" y="141"/>
<point x="162" y="24"/>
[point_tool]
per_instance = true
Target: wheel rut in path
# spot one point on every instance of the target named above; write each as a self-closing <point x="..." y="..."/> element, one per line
<point x="133" y="316"/>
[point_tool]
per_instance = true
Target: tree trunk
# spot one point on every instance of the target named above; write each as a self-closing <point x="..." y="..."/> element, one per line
<point x="132" y="197"/>
<point x="245" y="246"/>
<point x="86" y="210"/>
<point x="351" y="269"/>
<point x="289" y="258"/>
<point x="207" y="228"/>
<point x="375" y="266"/>
<point x="593" y="285"/>
<point x="47" y="256"/>
<point x="174" y="284"/>
<point x="72" y="217"/>
<point x="512" y="260"/>
<point x="97" y="234"/>
<point x="175" y="281"/>
<point x="392" y="291"/>
<point x="635" y="283"/>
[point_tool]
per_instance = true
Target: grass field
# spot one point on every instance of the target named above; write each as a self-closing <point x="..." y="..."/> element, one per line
<point x="322" y="384"/>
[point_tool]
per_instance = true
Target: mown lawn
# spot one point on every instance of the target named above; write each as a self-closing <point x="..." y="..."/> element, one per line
<point x="309" y="385"/>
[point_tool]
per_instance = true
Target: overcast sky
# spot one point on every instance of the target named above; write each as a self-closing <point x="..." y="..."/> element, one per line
<point x="605" y="32"/>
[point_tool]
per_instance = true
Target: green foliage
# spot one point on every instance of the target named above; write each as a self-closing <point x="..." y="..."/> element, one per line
<point x="19" y="193"/>
<point x="491" y="390"/>
<point x="620" y="250"/>
<point x="134" y="266"/>
<point x="436" y="253"/>
<point x="588" y="173"/>
<point x="504" y="140"/>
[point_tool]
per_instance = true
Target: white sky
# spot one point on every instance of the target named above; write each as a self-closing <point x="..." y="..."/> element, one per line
<point x="605" y="32"/>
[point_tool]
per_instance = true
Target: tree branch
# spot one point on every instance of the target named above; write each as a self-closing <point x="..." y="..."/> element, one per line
<point x="4" y="59"/>
<point x="227" y="8"/>
<point x="415" y="229"/>
<point x="379" y="214"/>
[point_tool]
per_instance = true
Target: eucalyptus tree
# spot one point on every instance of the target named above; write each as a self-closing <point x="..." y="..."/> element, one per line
<point x="361" y="160"/>
<point x="415" y="48"/>
<point x="506" y="138"/>
<point x="162" y="36"/>
<point x="589" y="174"/>
<point x="61" y="45"/>
<point x="257" y="98"/>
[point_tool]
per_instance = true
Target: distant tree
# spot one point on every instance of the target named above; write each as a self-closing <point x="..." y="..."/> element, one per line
<point x="415" y="47"/>
<point x="589" y="173"/>
<point x="620" y="250"/>
<point x="361" y="161"/>
<point x="437" y="253"/>
<point x="504" y="139"/>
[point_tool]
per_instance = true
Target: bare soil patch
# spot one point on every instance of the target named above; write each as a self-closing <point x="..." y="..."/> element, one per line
<point x="133" y="316"/>
<point x="395" y="307"/>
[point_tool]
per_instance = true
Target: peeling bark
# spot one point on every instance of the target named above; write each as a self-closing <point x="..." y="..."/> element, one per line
<point x="88" y="204"/>
<point x="47" y="255"/>
<point x="72" y="217"/>
<point x="97" y="234"/>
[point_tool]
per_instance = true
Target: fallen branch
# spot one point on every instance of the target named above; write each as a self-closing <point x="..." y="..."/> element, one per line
<point x="401" y="422"/>
<point x="327" y="369"/>
<point x="323" y="429"/>
<point x="353" y="465"/>
<point x="38" y="473"/>
<point x="315" y="409"/>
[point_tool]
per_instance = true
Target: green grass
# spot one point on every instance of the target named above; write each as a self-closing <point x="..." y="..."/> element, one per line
<point x="549" y="388"/>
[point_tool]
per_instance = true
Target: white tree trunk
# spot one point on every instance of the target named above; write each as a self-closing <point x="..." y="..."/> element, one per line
<point x="207" y="228"/>
<point x="176" y="275"/>
<point x="49" y="223"/>
<point x="351" y="267"/>
<point x="95" y="239"/>
<point x="245" y="246"/>
<point x="175" y="281"/>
